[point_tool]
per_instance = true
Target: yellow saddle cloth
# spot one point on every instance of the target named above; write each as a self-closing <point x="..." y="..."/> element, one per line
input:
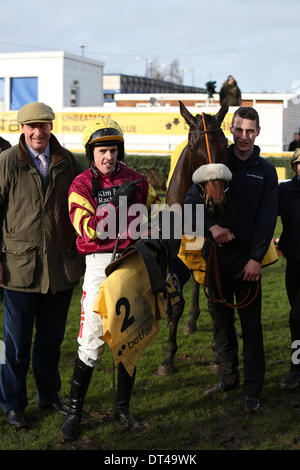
<point x="194" y="261"/>
<point x="130" y="311"/>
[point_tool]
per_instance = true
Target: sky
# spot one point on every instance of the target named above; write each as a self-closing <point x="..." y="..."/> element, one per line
<point x="256" y="41"/>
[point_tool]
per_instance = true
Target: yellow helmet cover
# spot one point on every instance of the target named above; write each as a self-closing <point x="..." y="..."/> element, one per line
<point x="103" y="131"/>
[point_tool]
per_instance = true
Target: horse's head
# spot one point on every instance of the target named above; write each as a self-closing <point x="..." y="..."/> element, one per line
<point x="208" y="147"/>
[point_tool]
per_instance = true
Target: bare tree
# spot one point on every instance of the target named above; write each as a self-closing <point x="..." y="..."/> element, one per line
<point x="156" y="71"/>
<point x="172" y="73"/>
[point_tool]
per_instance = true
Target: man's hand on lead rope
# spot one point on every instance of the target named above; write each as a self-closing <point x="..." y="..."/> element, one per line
<point x="252" y="271"/>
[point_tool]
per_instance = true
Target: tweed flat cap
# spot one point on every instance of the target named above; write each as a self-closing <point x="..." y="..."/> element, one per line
<point x="295" y="159"/>
<point x="35" y="112"/>
<point x="296" y="156"/>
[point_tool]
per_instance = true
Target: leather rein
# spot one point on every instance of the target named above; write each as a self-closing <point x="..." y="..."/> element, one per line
<point x="213" y="254"/>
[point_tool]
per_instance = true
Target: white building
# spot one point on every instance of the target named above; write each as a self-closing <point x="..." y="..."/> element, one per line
<point x="279" y="112"/>
<point x="73" y="86"/>
<point x="57" y="78"/>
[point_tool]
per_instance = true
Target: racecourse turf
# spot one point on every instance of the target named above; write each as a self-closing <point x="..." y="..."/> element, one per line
<point x="176" y="413"/>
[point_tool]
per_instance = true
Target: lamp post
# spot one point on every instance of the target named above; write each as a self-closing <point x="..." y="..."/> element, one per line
<point x="82" y="47"/>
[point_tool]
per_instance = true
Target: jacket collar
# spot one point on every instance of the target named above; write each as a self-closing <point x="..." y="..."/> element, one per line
<point x="252" y="159"/>
<point x="56" y="150"/>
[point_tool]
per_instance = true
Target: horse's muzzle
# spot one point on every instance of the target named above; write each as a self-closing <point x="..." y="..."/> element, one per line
<point x="215" y="208"/>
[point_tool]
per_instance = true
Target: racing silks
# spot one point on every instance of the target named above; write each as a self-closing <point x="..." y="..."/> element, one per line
<point x="83" y="207"/>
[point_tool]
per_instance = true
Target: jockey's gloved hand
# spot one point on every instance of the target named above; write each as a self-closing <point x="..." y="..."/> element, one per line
<point x="128" y="190"/>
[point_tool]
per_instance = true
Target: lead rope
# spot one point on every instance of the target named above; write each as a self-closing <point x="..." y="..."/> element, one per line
<point x="221" y="300"/>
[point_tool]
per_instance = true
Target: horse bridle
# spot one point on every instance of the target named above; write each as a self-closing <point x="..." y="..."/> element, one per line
<point x="212" y="251"/>
<point x="205" y="132"/>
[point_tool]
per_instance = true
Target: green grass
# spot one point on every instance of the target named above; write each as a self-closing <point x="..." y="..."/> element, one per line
<point x="177" y="414"/>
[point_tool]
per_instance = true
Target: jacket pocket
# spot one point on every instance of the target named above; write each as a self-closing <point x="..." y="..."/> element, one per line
<point x="73" y="264"/>
<point x="19" y="268"/>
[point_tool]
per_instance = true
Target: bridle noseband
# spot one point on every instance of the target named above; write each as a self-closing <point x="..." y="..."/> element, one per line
<point x="210" y="160"/>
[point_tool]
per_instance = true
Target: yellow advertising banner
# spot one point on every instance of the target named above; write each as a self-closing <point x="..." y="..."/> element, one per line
<point x="131" y="123"/>
<point x="9" y="123"/>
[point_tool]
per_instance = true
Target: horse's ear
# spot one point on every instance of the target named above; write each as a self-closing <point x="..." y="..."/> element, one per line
<point x="189" y="118"/>
<point x="222" y="112"/>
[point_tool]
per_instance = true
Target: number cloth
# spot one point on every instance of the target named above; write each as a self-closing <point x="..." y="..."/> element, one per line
<point x="130" y="311"/>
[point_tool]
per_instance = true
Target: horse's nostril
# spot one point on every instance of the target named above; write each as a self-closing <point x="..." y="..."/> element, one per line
<point x="215" y="208"/>
<point x="210" y="205"/>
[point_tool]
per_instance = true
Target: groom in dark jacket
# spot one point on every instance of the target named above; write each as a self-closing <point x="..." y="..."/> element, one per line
<point x="243" y="237"/>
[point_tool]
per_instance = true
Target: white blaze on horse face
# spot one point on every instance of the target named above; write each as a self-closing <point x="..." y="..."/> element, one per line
<point x="244" y="133"/>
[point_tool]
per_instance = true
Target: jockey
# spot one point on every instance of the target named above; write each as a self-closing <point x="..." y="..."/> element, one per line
<point x="95" y="203"/>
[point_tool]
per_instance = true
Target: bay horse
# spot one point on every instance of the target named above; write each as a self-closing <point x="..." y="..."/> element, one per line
<point x="202" y="161"/>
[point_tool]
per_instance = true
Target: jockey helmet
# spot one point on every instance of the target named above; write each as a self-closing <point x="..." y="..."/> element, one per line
<point x="103" y="131"/>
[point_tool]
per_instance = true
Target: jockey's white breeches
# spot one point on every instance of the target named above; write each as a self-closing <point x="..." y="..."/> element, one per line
<point x="90" y="337"/>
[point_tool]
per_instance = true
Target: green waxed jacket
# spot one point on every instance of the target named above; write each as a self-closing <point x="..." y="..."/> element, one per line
<point x="232" y="93"/>
<point x="38" y="250"/>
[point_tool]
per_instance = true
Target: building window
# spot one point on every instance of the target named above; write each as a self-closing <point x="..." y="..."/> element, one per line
<point x="2" y="81"/>
<point x="74" y="98"/>
<point x="109" y="96"/>
<point x="23" y="90"/>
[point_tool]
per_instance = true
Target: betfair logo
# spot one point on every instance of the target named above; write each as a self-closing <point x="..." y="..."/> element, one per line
<point x="141" y="334"/>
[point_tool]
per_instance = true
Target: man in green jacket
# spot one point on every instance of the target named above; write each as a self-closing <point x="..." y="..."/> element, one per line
<point x="39" y="264"/>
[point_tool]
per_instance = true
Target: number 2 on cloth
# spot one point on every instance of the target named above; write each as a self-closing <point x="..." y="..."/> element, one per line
<point x="127" y="321"/>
